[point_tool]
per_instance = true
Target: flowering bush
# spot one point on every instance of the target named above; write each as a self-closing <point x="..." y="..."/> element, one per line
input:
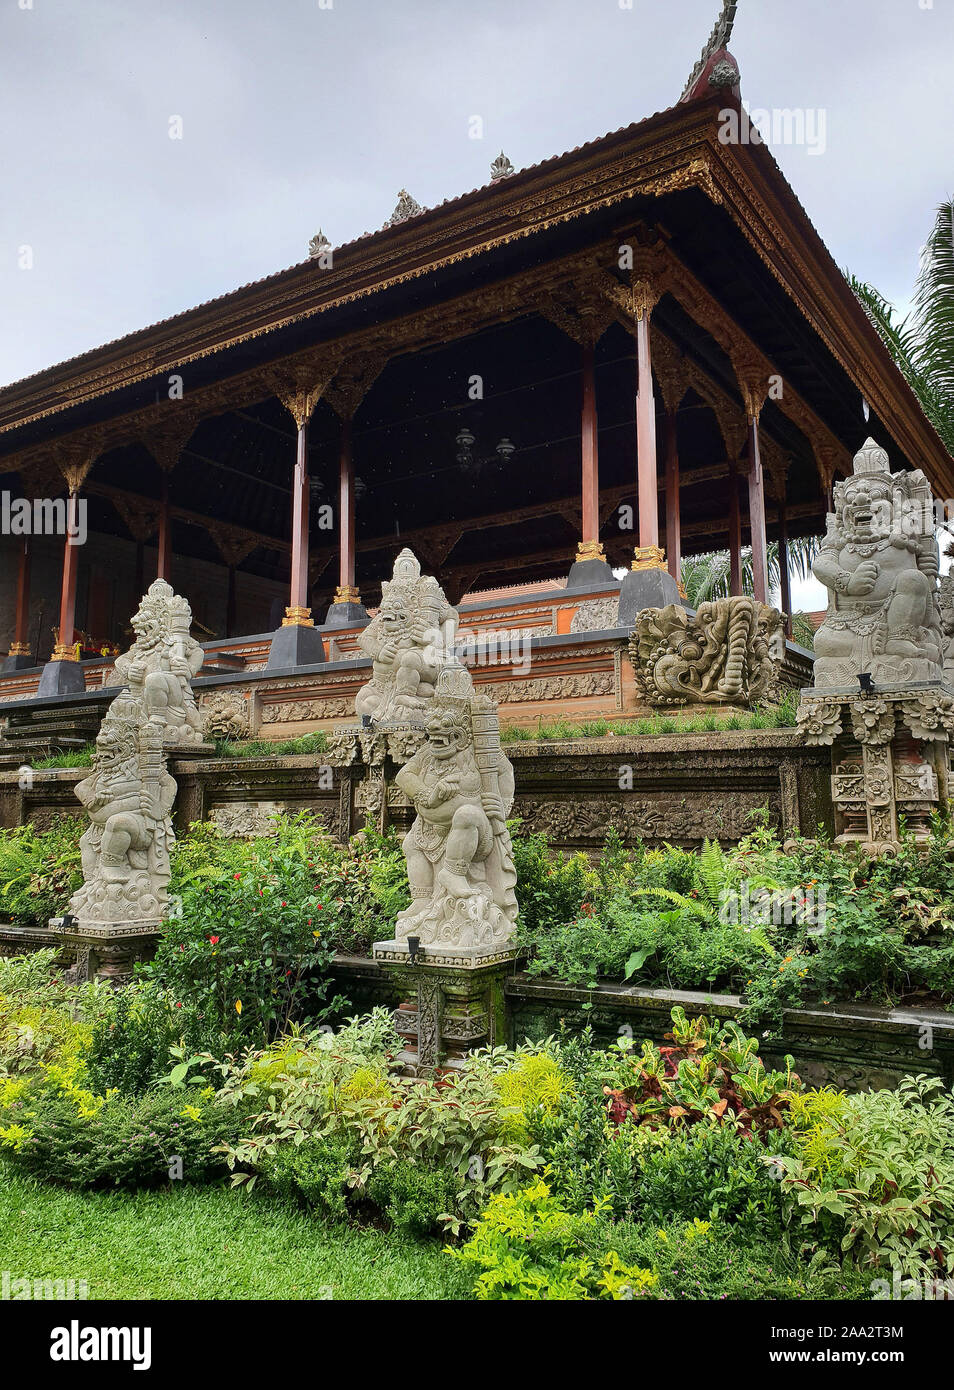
<point x="249" y="944"/>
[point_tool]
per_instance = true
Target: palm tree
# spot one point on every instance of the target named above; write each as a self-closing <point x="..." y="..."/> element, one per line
<point x="708" y="576"/>
<point x="922" y="344"/>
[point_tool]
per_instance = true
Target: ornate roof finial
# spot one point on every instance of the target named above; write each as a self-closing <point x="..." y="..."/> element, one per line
<point x="501" y="168"/>
<point x="406" y="207"/>
<point x="716" y="42"/>
<point x="318" y="245"/>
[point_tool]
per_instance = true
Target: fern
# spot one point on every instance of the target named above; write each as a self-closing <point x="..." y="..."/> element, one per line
<point x="690" y="905"/>
<point x="714" y="873"/>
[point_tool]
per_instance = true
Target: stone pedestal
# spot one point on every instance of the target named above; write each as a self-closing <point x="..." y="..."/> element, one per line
<point x="107" y="952"/>
<point x="589" y="574"/>
<point x="346" y="614"/>
<point x="61" y="678"/>
<point x="16" y="661"/>
<point x="453" y="1001"/>
<point x="646" y="588"/>
<point x="295" y="645"/>
<point x="890" y="752"/>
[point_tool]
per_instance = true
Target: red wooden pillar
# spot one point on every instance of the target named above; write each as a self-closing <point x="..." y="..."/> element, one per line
<point x="648" y="553"/>
<point x="164" y="563"/>
<point x="20" y="646"/>
<point x="735" y="532"/>
<point x="298" y="612"/>
<point x="590" y="547"/>
<point x="347" y="591"/>
<point x="63" y="651"/>
<point x="785" y="585"/>
<point x="757" y="515"/>
<point x="673" y="533"/>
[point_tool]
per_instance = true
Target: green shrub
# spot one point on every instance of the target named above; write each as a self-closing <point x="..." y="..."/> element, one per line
<point x="128" y="1143"/>
<point x="709" y="1171"/>
<point x="527" y="1246"/>
<point x="248" y="947"/>
<point x="873" y="1177"/>
<point x="40" y="869"/>
<point x="550" y="887"/>
<point x="133" y="1038"/>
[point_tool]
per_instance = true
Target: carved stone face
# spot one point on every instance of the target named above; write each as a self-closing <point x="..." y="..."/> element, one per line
<point x="394" y="617"/>
<point x="446" y="736"/>
<point x="866" y="510"/>
<point x="146" y="626"/>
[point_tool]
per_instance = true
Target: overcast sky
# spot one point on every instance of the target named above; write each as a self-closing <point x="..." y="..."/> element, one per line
<point x="300" y="113"/>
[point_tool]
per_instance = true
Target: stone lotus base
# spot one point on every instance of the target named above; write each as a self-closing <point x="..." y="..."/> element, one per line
<point x="453" y="1001"/>
<point x="834" y="673"/>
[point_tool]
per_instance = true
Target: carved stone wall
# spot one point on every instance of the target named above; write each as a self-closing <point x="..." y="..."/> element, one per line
<point x="678" y="787"/>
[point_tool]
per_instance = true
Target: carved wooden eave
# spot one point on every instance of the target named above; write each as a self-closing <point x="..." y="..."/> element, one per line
<point x="673" y="151"/>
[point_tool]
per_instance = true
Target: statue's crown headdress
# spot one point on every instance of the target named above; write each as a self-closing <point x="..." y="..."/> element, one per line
<point x="871" y="458"/>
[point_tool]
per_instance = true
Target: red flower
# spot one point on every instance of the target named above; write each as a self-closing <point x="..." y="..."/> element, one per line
<point x="284" y="904"/>
<point x="213" y="941"/>
<point x="236" y="875"/>
<point x="178" y="1006"/>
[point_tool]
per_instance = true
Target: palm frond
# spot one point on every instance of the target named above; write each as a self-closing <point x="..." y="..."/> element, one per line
<point x="707" y="577"/>
<point x="934" y="304"/>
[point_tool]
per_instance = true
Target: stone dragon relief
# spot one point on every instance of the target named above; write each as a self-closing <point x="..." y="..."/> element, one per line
<point x="129" y="794"/>
<point x="729" y="652"/>
<point x="459" y="855"/>
<point x="879" y="562"/>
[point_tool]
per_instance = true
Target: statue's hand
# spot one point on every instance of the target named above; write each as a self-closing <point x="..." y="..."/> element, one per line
<point x="181" y="667"/>
<point x="864" y="578"/>
<point x="388" y="651"/>
<point x="493" y="805"/>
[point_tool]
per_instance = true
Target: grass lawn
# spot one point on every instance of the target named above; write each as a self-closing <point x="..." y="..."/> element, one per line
<point x="195" y="1243"/>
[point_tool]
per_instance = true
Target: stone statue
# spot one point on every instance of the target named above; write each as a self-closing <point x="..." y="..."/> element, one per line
<point x="129" y="794"/>
<point x="159" y="666"/>
<point x="946" y="601"/>
<point x="879" y="562"/>
<point x="408" y="640"/>
<point x="129" y="797"/>
<point x="459" y="856"/>
<point x="728" y="652"/>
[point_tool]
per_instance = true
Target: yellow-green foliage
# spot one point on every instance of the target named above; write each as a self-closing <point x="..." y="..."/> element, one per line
<point x="816" y="1118"/>
<point x="526" y="1246"/>
<point x="534" y="1082"/>
<point x="810" y="1108"/>
<point x="365" y="1084"/>
<point x="40" y="1048"/>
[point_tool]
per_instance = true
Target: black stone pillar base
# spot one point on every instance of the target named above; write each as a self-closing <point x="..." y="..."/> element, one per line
<point x="62" y="678"/>
<point x="346" y="615"/>
<point x="651" y="588"/>
<point x="586" y="574"/>
<point x="17" y="662"/>
<point x="295" y="646"/>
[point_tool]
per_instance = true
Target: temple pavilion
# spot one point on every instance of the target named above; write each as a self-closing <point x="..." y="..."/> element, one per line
<point x="630" y="353"/>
